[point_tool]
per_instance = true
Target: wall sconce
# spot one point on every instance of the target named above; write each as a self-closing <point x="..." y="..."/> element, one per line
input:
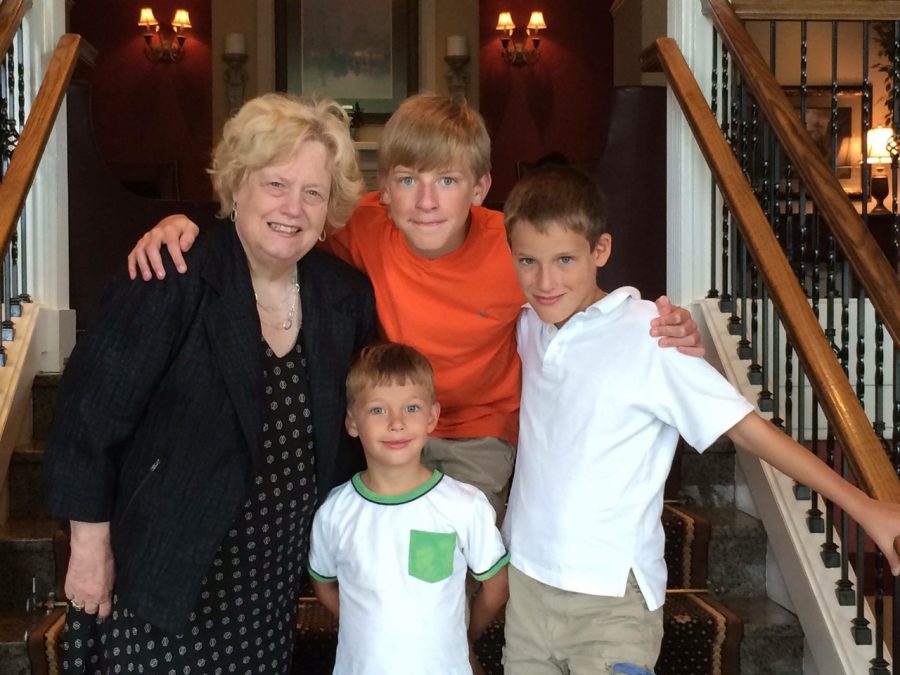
<point x="169" y="48"/>
<point x="880" y="150"/>
<point x="520" y="54"/>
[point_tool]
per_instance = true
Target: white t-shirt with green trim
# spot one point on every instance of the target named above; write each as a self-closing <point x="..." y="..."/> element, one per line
<point x="401" y="563"/>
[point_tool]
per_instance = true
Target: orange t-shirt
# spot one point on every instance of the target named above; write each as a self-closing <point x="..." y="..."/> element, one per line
<point x="459" y="310"/>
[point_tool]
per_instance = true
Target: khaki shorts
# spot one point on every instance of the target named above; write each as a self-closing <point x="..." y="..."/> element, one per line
<point x="550" y="631"/>
<point x="485" y="462"/>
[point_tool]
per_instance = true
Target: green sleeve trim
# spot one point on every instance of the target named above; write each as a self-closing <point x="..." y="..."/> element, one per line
<point x="497" y="566"/>
<point x="325" y="580"/>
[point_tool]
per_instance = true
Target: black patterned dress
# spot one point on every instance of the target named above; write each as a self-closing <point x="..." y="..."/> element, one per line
<point x="245" y="617"/>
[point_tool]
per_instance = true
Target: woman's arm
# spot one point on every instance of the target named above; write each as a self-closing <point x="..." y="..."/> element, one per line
<point x="91" y="572"/>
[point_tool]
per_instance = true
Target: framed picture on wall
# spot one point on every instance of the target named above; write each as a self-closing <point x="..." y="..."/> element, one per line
<point x="356" y="51"/>
<point x="845" y="144"/>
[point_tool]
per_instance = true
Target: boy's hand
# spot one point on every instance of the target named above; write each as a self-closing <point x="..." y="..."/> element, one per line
<point x="675" y="328"/>
<point x="882" y="522"/>
<point x="177" y="232"/>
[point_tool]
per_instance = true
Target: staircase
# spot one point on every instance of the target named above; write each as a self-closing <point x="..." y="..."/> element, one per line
<point x="772" y="641"/>
<point x="27" y="566"/>
<point x="703" y="490"/>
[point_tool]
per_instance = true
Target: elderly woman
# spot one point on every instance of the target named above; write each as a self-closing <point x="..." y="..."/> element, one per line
<point x="202" y="417"/>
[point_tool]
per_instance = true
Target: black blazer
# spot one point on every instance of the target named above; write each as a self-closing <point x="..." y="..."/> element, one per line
<point x="159" y="418"/>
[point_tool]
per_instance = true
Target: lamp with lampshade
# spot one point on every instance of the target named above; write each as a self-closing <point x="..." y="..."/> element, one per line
<point x="517" y="52"/>
<point x="880" y="150"/>
<point x="170" y="48"/>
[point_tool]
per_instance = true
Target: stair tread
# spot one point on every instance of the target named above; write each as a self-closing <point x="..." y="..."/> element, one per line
<point x="14" y="623"/>
<point x="47" y="379"/>
<point x="763" y="617"/>
<point x="27" y="530"/>
<point x="726" y="521"/>
<point x="31" y="452"/>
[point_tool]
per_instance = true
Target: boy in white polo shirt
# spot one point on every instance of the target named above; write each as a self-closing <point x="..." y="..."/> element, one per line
<point x="398" y="537"/>
<point x="602" y="409"/>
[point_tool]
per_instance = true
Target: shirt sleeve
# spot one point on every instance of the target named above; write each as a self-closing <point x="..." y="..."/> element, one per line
<point x="483" y="549"/>
<point x="322" y="554"/>
<point x="696" y="399"/>
<point x="111" y="376"/>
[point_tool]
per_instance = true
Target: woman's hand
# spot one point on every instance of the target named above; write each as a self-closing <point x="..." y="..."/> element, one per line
<point x="91" y="574"/>
<point x="177" y="232"/>
<point x="676" y="328"/>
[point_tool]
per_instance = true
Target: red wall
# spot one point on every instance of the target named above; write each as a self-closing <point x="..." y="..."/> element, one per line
<point x="146" y="112"/>
<point x="557" y="104"/>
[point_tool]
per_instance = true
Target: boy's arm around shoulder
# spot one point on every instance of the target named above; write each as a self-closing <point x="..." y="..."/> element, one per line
<point x="880" y="520"/>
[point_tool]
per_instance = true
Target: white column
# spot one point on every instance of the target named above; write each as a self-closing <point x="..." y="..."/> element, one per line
<point x="47" y="207"/>
<point x="688" y="177"/>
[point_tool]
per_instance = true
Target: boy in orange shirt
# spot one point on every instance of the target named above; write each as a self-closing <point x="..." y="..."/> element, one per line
<point x="444" y="282"/>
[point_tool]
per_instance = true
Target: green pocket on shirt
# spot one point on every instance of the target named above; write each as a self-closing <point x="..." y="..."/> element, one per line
<point x="431" y="555"/>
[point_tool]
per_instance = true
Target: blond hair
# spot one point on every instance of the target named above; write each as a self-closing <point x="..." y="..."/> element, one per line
<point x="268" y="130"/>
<point x="558" y="195"/>
<point x="388" y="363"/>
<point x="429" y="132"/>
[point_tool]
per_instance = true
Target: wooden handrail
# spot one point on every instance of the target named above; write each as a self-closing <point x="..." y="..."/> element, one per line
<point x="851" y="427"/>
<point x="33" y="139"/>
<point x="857" y="244"/>
<point x="817" y="10"/>
<point x="11" y="14"/>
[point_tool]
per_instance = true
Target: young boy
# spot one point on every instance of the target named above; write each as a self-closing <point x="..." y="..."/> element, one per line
<point x="443" y="279"/>
<point x="602" y="409"/>
<point x="390" y="548"/>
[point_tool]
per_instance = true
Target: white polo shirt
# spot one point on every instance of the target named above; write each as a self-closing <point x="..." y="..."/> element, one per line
<point x="401" y="564"/>
<point x="602" y="409"/>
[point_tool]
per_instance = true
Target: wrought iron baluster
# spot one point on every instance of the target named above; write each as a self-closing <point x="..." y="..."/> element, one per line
<point x="788" y="421"/>
<point x="714" y="105"/>
<point x="801" y="491"/>
<point x="753" y="370"/>
<point x="844" y="592"/>
<point x="879" y="665"/>
<point x="725" y="301"/>
<point x="737" y="324"/>
<point x="860" y="630"/>
<point x="22" y="296"/>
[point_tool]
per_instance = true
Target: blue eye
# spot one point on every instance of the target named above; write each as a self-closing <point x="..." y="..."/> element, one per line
<point x="406" y="180"/>
<point x="526" y="261"/>
<point x="377" y="410"/>
<point x="313" y="196"/>
<point x="447" y="181"/>
<point x="566" y="259"/>
<point x="412" y="408"/>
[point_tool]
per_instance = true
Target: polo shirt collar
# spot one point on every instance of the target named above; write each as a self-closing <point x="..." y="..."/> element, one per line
<point x="608" y="303"/>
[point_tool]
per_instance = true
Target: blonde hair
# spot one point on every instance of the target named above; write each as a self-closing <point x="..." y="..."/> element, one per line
<point x="429" y="132"/>
<point x="558" y="195"/>
<point x="388" y="363"/>
<point x="268" y="130"/>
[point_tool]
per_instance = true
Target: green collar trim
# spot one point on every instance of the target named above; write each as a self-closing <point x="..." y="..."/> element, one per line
<point x="405" y="498"/>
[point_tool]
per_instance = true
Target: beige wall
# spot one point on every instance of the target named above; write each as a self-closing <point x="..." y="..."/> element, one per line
<point x="637" y="24"/>
<point x="255" y="19"/>
<point x="233" y="16"/>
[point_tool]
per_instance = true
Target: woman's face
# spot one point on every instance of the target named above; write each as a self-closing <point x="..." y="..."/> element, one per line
<point x="281" y="208"/>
